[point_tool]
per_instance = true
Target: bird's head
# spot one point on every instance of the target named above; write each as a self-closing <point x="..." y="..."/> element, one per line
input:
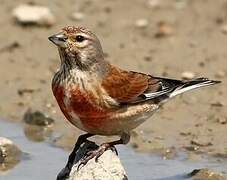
<point x="78" y="46"/>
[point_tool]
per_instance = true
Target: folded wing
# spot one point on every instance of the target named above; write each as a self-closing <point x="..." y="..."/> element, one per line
<point x="133" y="87"/>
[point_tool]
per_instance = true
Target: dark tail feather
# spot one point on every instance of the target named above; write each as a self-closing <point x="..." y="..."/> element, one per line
<point x="193" y="84"/>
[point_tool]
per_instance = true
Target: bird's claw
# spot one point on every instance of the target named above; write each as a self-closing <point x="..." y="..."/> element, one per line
<point x="114" y="149"/>
<point x="96" y="153"/>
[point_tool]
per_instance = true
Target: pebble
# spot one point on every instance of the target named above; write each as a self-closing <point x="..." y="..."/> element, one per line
<point x="108" y="9"/>
<point x="222" y="120"/>
<point x="9" y="154"/>
<point x="217" y="104"/>
<point x="21" y="92"/>
<point x="185" y="133"/>
<point x="121" y="45"/>
<point x="49" y="105"/>
<point x="164" y="29"/>
<point x="200" y="142"/>
<point x="219" y="20"/>
<point x="201" y="64"/>
<point x="148" y="58"/>
<point x="77" y="16"/>
<point x="135" y="145"/>
<point x="141" y="23"/>
<point x="37" y="118"/>
<point x="153" y="3"/>
<point x="191" y="148"/>
<point x="200" y="174"/>
<point x="26" y="14"/>
<point x="187" y="75"/>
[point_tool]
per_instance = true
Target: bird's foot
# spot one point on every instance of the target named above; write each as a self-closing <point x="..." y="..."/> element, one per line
<point x="64" y="174"/>
<point x="96" y="153"/>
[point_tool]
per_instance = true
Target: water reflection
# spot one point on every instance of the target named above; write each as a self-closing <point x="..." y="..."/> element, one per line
<point x="39" y="160"/>
<point x="37" y="133"/>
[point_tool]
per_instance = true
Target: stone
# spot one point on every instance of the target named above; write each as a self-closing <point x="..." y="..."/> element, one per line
<point x="222" y="120"/>
<point x="217" y="104"/>
<point x="153" y="3"/>
<point x="77" y="16"/>
<point x="141" y="23"/>
<point x="26" y="14"/>
<point x="37" y="118"/>
<point x="206" y="174"/>
<point x="9" y="154"/>
<point x="187" y="75"/>
<point x="108" y="166"/>
<point x="202" y="142"/>
<point x="164" y="30"/>
<point x="23" y="91"/>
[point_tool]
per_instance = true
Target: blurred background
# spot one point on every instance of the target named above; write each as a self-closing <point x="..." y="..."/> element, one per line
<point x="180" y="39"/>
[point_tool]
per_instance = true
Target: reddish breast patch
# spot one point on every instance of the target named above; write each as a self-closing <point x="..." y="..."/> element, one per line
<point x="90" y="113"/>
<point x="59" y="95"/>
<point x="92" y="116"/>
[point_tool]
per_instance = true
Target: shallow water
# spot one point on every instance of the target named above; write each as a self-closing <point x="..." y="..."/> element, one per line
<point x="41" y="160"/>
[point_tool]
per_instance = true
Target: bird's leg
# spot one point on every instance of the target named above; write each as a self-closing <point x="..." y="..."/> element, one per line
<point x="103" y="147"/>
<point x="66" y="170"/>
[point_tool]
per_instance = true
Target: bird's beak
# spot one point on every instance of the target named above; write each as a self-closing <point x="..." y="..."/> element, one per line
<point x="58" y="39"/>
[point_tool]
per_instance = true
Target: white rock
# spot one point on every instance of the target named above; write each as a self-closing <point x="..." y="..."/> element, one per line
<point x="188" y="75"/>
<point x="153" y="3"/>
<point x="5" y="141"/>
<point x="141" y="23"/>
<point x="9" y="154"/>
<point x="108" y="167"/>
<point x="78" y="16"/>
<point x="32" y="14"/>
<point x="6" y="146"/>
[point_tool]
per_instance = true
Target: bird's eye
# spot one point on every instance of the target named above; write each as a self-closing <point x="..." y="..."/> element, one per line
<point x="79" y="38"/>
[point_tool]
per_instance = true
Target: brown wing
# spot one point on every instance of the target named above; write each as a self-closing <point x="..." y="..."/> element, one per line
<point x="133" y="87"/>
<point x="126" y="86"/>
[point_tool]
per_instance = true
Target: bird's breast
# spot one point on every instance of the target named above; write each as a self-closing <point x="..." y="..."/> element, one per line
<point x="83" y="111"/>
<point x="81" y="107"/>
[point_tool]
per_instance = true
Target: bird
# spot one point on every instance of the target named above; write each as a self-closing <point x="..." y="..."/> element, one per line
<point x="101" y="98"/>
